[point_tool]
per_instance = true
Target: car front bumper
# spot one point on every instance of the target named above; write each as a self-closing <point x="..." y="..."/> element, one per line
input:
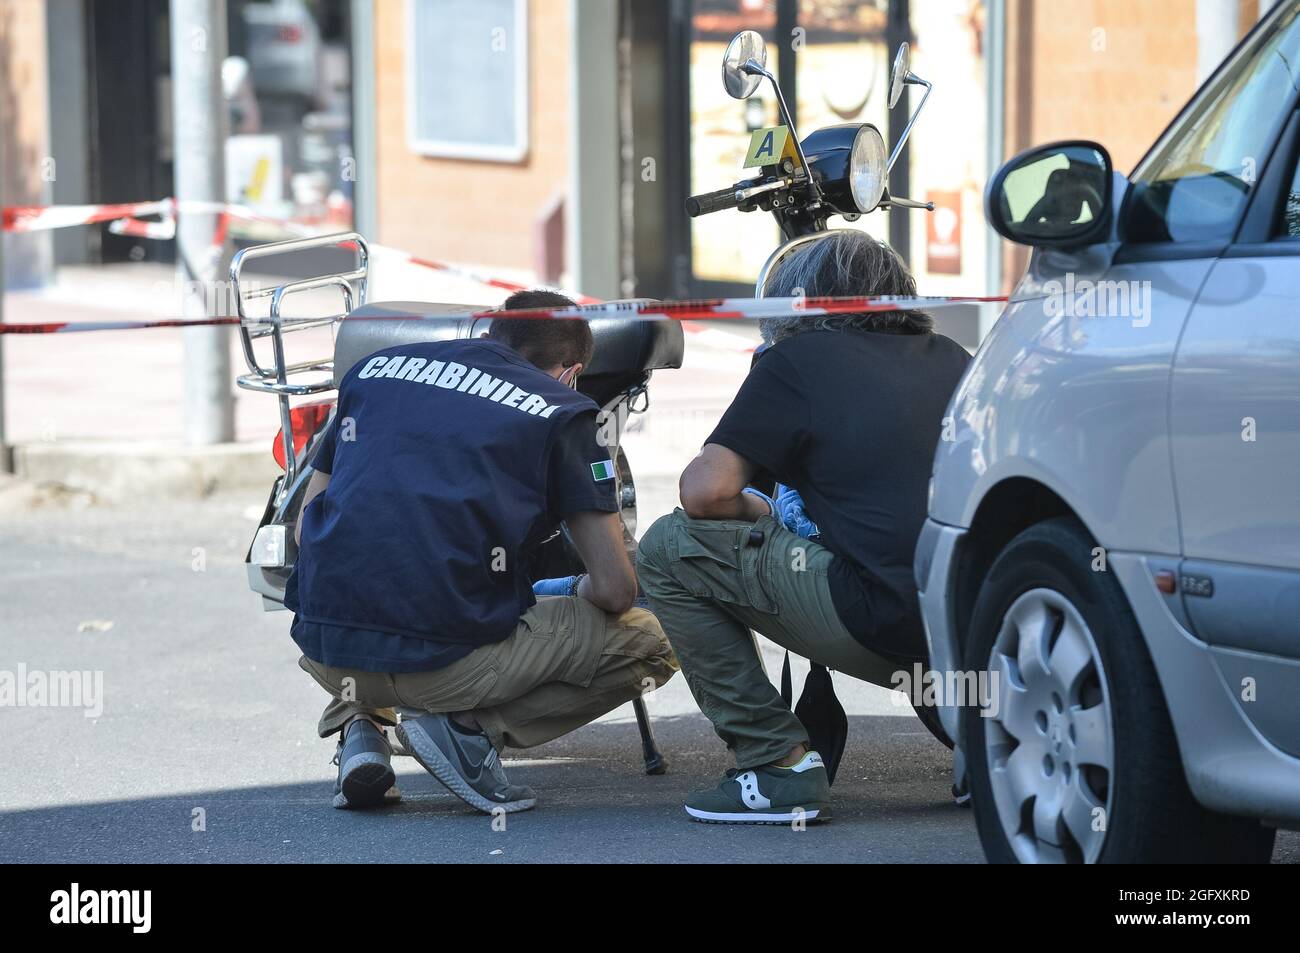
<point x="935" y="568"/>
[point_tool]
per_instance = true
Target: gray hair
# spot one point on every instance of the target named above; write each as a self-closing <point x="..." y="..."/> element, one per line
<point x="845" y="263"/>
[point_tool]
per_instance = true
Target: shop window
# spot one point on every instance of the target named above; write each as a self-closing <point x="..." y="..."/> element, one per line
<point x="467" y="78"/>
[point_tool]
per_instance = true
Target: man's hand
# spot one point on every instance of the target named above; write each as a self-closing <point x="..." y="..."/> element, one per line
<point x="712" y="487"/>
<point x="759" y="494"/>
<point x="315" y="487"/>
<point x="789" y="505"/>
<point x="611" y="581"/>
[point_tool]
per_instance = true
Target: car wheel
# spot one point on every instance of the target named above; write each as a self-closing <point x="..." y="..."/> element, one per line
<point x="1075" y="760"/>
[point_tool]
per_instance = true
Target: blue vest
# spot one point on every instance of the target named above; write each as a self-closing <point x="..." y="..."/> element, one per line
<point x="437" y="495"/>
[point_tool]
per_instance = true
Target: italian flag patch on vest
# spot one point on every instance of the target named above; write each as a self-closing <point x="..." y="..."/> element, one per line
<point x="602" y="471"/>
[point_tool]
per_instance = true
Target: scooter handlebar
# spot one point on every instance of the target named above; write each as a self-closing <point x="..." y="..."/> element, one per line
<point x="698" y="205"/>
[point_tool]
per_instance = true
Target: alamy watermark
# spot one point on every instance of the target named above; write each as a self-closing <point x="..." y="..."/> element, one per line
<point x="21" y="688"/>
<point x="920" y="687"/>
<point x="76" y="905"/>
<point x="1085" y="298"/>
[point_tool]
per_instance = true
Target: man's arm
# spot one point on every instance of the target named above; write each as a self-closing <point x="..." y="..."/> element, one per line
<point x="315" y="487"/>
<point x="762" y="430"/>
<point x="712" y="486"/>
<point x="610" y="582"/>
<point x="322" y="463"/>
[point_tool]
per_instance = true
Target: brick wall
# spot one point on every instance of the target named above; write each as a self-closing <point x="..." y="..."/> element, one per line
<point x="434" y="207"/>
<point x="1115" y="71"/>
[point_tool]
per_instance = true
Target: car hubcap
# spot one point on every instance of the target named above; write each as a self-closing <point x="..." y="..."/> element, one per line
<point x="1049" y="743"/>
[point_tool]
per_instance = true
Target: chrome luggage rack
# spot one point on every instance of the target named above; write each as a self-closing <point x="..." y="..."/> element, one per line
<point x="283" y="379"/>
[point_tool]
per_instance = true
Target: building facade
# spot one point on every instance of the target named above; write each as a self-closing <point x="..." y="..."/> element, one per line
<point x="555" y="140"/>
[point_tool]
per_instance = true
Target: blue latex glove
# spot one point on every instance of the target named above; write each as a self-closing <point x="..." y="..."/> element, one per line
<point x="789" y="507"/>
<point x="554" y="587"/>
<point x="771" y="504"/>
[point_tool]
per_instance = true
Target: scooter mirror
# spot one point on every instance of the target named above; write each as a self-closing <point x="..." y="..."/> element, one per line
<point x="898" y="75"/>
<point x="744" y="46"/>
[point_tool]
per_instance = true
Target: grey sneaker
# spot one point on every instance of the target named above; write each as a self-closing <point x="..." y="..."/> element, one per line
<point x="466" y="763"/>
<point x="366" y="777"/>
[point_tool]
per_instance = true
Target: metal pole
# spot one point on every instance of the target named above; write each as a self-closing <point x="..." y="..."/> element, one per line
<point x="198" y="47"/>
<point x="365" y="217"/>
<point x="995" y="67"/>
<point x="6" y="453"/>
<point x="898" y="27"/>
<point x="1216" y="35"/>
<point x="591" y="218"/>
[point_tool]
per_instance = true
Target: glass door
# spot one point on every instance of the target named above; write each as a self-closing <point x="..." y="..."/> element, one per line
<point x="831" y="57"/>
<point x="842" y="75"/>
<point x="728" y="248"/>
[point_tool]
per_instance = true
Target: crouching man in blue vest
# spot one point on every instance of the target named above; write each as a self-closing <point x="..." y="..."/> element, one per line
<point x="444" y="468"/>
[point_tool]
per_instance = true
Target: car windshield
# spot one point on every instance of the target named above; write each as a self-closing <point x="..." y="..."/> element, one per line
<point x="1194" y="185"/>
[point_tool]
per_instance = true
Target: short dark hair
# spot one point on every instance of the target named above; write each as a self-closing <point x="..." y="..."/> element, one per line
<point x="844" y="263"/>
<point x="546" y="343"/>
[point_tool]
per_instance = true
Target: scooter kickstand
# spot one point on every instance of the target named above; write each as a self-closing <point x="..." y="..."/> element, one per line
<point x="654" y="760"/>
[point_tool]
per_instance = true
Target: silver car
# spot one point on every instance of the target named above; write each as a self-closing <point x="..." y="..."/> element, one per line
<point x="1113" y="546"/>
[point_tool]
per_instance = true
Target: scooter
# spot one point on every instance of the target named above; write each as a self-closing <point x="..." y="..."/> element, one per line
<point x="618" y="380"/>
<point x="837" y="170"/>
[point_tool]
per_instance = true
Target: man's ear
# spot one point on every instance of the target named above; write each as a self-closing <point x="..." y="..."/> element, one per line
<point x="570" y="374"/>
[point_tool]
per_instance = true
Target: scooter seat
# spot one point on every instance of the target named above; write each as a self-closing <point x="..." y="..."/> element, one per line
<point x="626" y="349"/>
<point x="626" y="345"/>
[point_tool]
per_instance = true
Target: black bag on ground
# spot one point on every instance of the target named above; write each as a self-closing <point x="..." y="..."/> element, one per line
<point x="820" y="712"/>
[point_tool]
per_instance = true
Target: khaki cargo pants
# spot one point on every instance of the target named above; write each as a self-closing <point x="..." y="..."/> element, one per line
<point x="709" y="588"/>
<point x="567" y="663"/>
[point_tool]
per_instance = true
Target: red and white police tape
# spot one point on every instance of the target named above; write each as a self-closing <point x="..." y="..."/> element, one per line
<point x="716" y="309"/>
<point x="40" y="218"/>
<point x="127" y="219"/>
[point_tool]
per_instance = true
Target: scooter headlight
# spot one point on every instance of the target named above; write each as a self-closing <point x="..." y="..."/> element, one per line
<point x="867" y="168"/>
<point x="848" y="162"/>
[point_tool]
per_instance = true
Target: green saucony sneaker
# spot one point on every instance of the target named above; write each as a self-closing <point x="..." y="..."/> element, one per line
<point x="768" y="795"/>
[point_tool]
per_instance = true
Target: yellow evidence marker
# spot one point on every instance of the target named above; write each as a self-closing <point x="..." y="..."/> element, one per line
<point x="769" y="146"/>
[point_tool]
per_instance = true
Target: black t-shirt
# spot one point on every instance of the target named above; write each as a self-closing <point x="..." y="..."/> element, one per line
<point x="458" y="459"/>
<point x="851" y="419"/>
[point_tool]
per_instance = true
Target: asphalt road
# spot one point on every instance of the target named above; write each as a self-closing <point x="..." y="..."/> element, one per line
<point x="206" y="716"/>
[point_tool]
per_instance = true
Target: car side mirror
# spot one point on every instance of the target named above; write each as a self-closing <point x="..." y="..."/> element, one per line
<point x="1052" y="196"/>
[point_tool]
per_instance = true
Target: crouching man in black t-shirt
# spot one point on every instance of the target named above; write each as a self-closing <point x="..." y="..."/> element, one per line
<point x="846" y="411"/>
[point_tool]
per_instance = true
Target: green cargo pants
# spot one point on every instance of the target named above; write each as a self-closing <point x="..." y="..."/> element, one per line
<point x="709" y="588"/>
